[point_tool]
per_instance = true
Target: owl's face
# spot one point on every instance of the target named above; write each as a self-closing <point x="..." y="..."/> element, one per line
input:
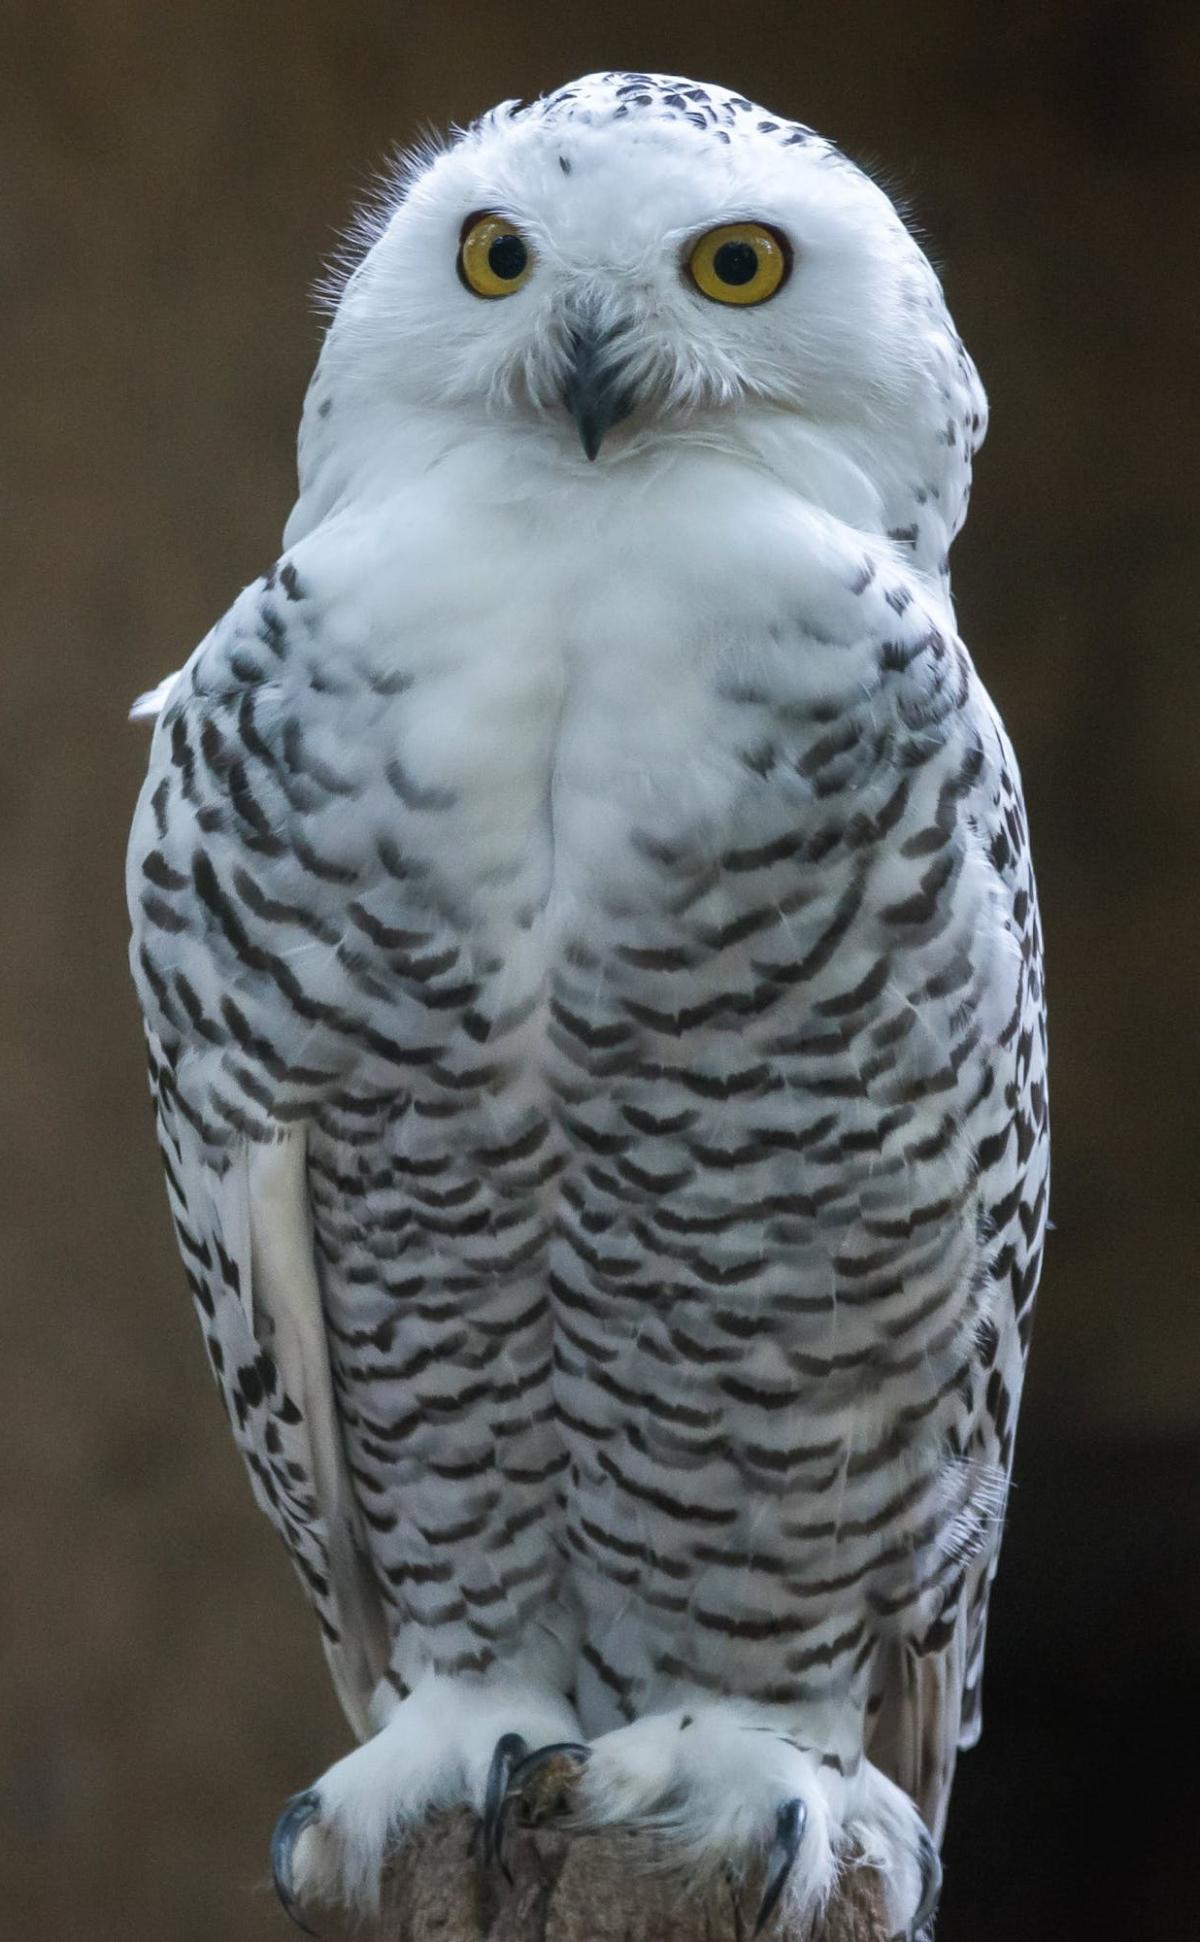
<point x="635" y="259"/>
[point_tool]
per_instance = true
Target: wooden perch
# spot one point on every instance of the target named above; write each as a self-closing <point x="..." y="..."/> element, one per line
<point x="608" y="1887"/>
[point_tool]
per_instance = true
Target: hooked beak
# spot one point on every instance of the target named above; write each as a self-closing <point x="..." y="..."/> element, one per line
<point x="594" y="393"/>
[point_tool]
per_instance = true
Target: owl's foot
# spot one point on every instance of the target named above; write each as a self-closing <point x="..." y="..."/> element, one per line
<point x="736" y="1788"/>
<point x="452" y="1741"/>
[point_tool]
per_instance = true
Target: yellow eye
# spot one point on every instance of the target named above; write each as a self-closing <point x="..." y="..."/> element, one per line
<point x="493" y="257"/>
<point x="740" y="263"/>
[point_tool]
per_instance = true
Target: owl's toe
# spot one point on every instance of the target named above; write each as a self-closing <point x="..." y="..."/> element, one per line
<point x="791" y="1819"/>
<point x="300" y="1813"/>
<point x="510" y="1750"/>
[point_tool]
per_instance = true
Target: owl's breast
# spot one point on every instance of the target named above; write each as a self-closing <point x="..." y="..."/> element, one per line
<point x="660" y="748"/>
<point x="636" y="658"/>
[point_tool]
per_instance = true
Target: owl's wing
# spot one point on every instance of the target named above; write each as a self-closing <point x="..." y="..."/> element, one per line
<point x="225" y="885"/>
<point x="928" y="1692"/>
<point x="244" y="1231"/>
<point x="915" y="1736"/>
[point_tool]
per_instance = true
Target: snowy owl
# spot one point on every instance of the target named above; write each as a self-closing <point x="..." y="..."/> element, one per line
<point x="585" y="926"/>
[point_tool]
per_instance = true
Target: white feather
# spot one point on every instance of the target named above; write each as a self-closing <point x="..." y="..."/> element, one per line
<point x="151" y="704"/>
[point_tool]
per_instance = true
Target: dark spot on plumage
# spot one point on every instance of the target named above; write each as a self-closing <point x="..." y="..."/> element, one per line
<point x="325" y="407"/>
<point x="250" y="1384"/>
<point x="244" y="668"/>
<point x="205" y="1028"/>
<point x="895" y="657"/>
<point x="182" y="754"/>
<point x="159" y="872"/>
<point x="412" y="795"/>
<point x="654" y="849"/>
<point x="761" y="760"/>
<point x="158" y="803"/>
<point x="564" y="164"/>
<point x="840" y="741"/>
<point x="199" y="1291"/>
<point x="821" y="713"/>
<point x="230" y="1272"/>
<point x="744" y="695"/>
<point x="213" y="748"/>
<point x="289" y="580"/>
<point x="161" y="915"/>
<point x="272" y="632"/>
<point x="389" y="682"/>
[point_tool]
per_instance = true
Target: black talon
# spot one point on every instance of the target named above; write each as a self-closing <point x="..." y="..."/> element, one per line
<point x="509" y="1751"/>
<point x="790" y="1823"/>
<point x="300" y="1812"/>
<point x="500" y="1835"/>
<point x="931" y="1887"/>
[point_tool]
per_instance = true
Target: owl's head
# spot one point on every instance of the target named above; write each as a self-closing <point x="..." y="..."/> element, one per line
<point x="637" y="259"/>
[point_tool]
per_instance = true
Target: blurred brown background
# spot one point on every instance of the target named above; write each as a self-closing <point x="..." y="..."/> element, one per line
<point x="171" y="174"/>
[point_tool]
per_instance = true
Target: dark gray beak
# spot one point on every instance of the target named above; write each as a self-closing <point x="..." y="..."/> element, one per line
<point x="594" y="393"/>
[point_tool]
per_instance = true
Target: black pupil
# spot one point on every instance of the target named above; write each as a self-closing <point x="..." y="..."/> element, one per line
<point x="736" y="262"/>
<point x="507" y="257"/>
